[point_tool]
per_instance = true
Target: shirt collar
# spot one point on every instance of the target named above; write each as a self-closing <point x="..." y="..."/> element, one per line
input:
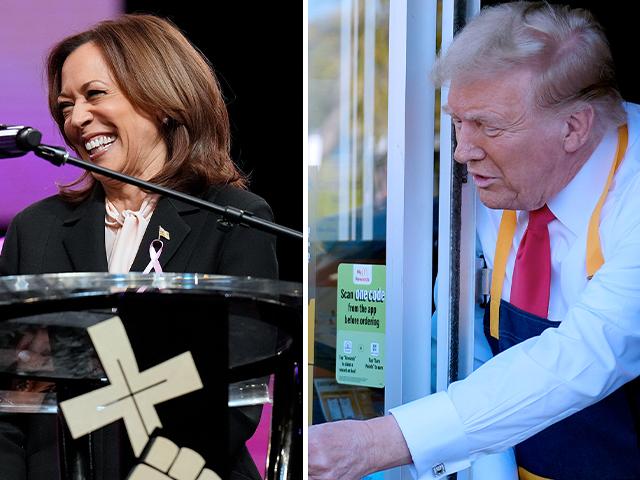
<point x="575" y="203"/>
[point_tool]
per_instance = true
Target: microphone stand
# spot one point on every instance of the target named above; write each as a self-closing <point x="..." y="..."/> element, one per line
<point x="59" y="156"/>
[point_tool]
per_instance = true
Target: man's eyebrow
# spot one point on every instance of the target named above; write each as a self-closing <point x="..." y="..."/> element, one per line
<point x="484" y="117"/>
<point x="476" y="116"/>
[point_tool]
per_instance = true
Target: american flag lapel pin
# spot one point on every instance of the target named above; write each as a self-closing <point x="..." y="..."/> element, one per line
<point x="162" y="233"/>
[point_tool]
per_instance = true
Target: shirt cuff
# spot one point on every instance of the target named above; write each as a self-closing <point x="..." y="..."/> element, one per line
<point x="435" y="436"/>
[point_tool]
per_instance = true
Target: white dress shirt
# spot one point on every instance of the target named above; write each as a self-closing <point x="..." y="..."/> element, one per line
<point x="594" y="351"/>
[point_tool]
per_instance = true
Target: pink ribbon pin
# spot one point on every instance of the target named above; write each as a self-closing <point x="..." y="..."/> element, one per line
<point x="155" y="249"/>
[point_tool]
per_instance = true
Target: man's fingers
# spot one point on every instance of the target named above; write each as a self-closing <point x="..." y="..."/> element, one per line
<point x="40" y="343"/>
<point x="33" y="350"/>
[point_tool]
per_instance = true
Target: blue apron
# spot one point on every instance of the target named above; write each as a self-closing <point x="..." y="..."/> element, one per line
<point x="599" y="442"/>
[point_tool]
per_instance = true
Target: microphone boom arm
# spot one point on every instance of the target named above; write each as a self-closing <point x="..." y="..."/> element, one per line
<point x="59" y="156"/>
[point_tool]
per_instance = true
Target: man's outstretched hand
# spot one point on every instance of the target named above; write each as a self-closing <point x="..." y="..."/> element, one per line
<point x="351" y="449"/>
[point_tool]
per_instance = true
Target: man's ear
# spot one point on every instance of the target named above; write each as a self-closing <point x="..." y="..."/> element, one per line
<point x="577" y="129"/>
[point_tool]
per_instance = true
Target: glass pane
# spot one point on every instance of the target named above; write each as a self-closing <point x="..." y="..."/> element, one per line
<point x="348" y="75"/>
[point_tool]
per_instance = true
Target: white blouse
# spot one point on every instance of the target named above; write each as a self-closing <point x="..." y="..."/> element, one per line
<point x="123" y="232"/>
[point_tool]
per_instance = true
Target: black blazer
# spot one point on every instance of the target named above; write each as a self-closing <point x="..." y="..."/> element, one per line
<point x="53" y="236"/>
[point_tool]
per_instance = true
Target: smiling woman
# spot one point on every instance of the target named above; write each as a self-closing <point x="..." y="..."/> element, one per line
<point x="102" y="125"/>
<point x="133" y="95"/>
<point x="167" y="81"/>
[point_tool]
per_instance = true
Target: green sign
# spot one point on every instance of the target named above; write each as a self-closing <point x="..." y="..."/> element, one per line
<point x="360" y="325"/>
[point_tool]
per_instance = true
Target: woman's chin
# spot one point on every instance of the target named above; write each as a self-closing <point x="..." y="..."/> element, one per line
<point x="106" y="181"/>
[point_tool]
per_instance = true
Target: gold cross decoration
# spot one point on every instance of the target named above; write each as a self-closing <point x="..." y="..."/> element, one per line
<point x="132" y="394"/>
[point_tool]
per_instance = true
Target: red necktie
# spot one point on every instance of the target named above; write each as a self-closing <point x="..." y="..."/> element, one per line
<point x="532" y="273"/>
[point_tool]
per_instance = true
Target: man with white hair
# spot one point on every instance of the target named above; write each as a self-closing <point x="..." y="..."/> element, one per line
<point x="554" y="154"/>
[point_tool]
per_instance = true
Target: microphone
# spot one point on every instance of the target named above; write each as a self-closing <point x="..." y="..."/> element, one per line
<point x="18" y="140"/>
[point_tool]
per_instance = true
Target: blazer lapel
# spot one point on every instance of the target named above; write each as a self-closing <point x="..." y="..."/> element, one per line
<point x="168" y="215"/>
<point x="83" y="235"/>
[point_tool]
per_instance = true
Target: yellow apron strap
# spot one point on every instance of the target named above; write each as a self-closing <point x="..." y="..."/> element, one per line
<point x="594" y="250"/>
<point x="508" y="229"/>
<point x="525" y="475"/>
<point x="503" y="247"/>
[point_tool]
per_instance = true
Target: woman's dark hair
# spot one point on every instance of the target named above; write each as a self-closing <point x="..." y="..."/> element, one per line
<point x="163" y="75"/>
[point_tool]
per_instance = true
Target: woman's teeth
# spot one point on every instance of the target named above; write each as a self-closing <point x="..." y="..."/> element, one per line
<point x="101" y="143"/>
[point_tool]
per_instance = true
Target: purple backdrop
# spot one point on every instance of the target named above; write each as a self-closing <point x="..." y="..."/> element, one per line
<point x="29" y="29"/>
